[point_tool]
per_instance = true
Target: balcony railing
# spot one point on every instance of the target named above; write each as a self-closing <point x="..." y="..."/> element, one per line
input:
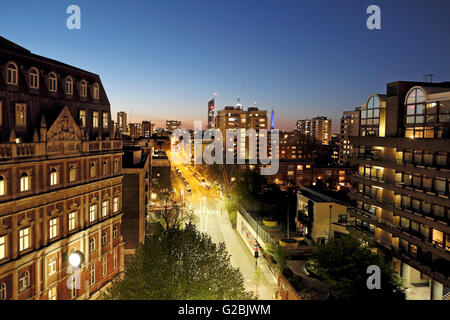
<point x="9" y="151"/>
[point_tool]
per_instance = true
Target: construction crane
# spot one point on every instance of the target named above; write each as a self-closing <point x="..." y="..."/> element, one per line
<point x="240" y="94"/>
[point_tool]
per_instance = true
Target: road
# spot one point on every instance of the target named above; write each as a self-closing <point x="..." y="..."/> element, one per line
<point x="213" y="219"/>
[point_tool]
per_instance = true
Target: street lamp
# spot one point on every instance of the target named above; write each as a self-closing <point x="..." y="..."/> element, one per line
<point x="76" y="258"/>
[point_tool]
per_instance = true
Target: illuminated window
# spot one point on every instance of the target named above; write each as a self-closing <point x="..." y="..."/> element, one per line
<point x="24" y="182"/>
<point x="72" y="220"/>
<point x="105" y="119"/>
<point x="93" y="170"/>
<point x="54" y="177"/>
<point x="116" y="165"/>
<point x="21" y="109"/>
<point x="105" y="208"/>
<point x="53" y="228"/>
<point x="11" y="74"/>
<point x="115" y="259"/>
<point x="105" y="266"/>
<point x="52" y="266"/>
<point x="52" y="82"/>
<point x="115" y="232"/>
<point x="72" y="174"/>
<point x="92" y="213"/>
<point x="68" y="86"/>
<point x="24" y="239"/>
<point x="105" y="168"/>
<point x="2" y="186"/>
<point x="24" y="281"/>
<point x="116" y="204"/>
<point x="96" y="91"/>
<point x="83" y="118"/>
<point x="95" y="119"/>
<point x="83" y="88"/>
<point x="104" y="238"/>
<point x="34" y="78"/>
<point x="92" y="274"/>
<point x="2" y="247"/>
<point x="52" y="293"/>
<point x="92" y="244"/>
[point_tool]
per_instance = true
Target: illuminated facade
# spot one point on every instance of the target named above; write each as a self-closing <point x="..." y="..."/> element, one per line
<point x="319" y="128"/>
<point x="60" y="179"/>
<point x="401" y="189"/>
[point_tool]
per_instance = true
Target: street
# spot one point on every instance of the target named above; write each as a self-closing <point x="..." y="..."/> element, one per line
<point x="213" y="219"/>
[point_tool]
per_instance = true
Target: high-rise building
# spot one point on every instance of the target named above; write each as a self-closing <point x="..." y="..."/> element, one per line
<point x="147" y="129"/>
<point x="122" y="122"/>
<point x="402" y="187"/>
<point x="239" y="120"/>
<point x="319" y="128"/>
<point x="60" y="180"/>
<point x="172" y="125"/>
<point x="349" y="127"/>
<point x="211" y="109"/>
<point x="135" y="130"/>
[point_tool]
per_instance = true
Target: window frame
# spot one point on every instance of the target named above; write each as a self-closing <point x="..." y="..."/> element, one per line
<point x="14" y="72"/>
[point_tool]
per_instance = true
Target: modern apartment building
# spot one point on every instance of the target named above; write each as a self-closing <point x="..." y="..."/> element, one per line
<point x="60" y="180"/>
<point x="147" y="129"/>
<point x="319" y="128"/>
<point x="238" y="120"/>
<point x="135" y="130"/>
<point x="172" y="125"/>
<point x="402" y="187"/>
<point x="122" y="123"/>
<point x="349" y="127"/>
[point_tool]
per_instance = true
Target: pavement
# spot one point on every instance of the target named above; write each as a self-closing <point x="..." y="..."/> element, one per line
<point x="212" y="218"/>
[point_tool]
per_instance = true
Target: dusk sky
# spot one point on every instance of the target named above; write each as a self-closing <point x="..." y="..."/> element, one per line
<point x="163" y="60"/>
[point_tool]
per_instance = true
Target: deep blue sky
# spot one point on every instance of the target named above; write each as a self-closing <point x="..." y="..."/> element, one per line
<point x="164" y="59"/>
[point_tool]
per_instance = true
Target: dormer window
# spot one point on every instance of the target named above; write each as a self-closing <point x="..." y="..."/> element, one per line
<point x="52" y="82"/>
<point x="83" y="88"/>
<point x="96" y="92"/>
<point x="68" y="86"/>
<point x="11" y="74"/>
<point x="34" y="78"/>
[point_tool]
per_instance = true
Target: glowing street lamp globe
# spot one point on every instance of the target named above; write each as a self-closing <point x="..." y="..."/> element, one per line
<point x="75" y="259"/>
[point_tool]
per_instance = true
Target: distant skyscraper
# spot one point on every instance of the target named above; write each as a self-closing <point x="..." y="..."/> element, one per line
<point x="135" y="130"/>
<point x="211" y="108"/>
<point x="319" y="128"/>
<point x="122" y="121"/>
<point x="272" y="120"/>
<point x="172" y="125"/>
<point x="147" y="129"/>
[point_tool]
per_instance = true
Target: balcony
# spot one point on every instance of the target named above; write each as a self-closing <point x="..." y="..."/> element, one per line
<point x="12" y="151"/>
<point x="401" y="143"/>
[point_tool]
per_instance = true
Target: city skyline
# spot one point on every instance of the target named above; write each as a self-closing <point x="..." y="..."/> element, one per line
<point x="188" y="51"/>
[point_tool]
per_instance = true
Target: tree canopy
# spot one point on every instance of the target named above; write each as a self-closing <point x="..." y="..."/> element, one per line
<point x="343" y="263"/>
<point x="180" y="264"/>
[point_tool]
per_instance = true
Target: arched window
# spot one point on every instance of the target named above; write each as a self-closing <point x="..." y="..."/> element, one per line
<point x="2" y="291"/>
<point x="370" y="117"/>
<point x="83" y="88"/>
<point x="68" y="85"/>
<point x="72" y="174"/>
<point x="2" y="186"/>
<point x="11" y="73"/>
<point x="105" y="168"/>
<point x="96" y="91"/>
<point x="34" y="78"/>
<point x="24" y="182"/>
<point x="54" y="177"/>
<point x="415" y="109"/>
<point x="52" y="82"/>
<point x="92" y="244"/>
<point x="93" y="170"/>
<point x="24" y="281"/>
